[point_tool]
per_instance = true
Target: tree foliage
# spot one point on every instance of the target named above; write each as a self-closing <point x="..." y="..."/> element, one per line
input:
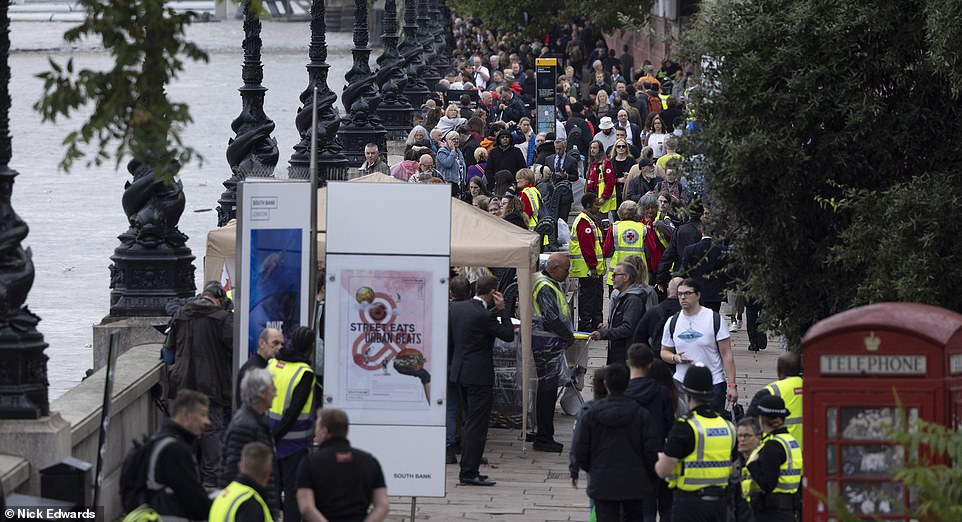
<point x="831" y="148"/>
<point x="534" y="18"/>
<point x="130" y="106"/>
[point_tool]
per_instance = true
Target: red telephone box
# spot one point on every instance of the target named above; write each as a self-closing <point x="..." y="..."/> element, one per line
<point x="854" y="362"/>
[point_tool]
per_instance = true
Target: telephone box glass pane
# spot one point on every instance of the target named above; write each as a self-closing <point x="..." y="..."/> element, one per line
<point x="874" y="498"/>
<point x="867" y="423"/>
<point x="831" y="422"/>
<point x="830" y="460"/>
<point x="870" y="460"/>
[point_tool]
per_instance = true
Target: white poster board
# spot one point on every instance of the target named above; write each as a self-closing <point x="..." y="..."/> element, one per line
<point x="272" y="280"/>
<point x="386" y="325"/>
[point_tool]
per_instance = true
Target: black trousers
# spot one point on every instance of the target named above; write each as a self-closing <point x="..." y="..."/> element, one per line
<point x="619" y="510"/>
<point x="756" y="339"/>
<point x="287" y="482"/>
<point x="591" y="293"/>
<point x="476" y="402"/>
<point x="693" y="509"/>
<point x="547" y="394"/>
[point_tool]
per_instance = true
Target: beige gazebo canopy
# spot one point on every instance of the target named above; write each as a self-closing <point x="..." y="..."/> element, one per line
<point x="477" y="239"/>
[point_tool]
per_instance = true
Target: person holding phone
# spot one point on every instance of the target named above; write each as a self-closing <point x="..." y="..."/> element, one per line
<point x="698" y="334"/>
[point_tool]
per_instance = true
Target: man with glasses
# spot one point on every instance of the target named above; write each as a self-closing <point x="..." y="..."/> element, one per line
<point x="700" y="335"/>
<point x="627" y="307"/>
<point x="425" y="169"/>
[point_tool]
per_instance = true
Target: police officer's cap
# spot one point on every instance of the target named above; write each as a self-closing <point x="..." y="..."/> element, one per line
<point x="772" y="406"/>
<point x="698" y="382"/>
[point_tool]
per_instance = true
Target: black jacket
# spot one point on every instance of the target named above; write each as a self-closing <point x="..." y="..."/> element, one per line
<point x="245" y="427"/>
<point x="684" y="236"/>
<point x="177" y="471"/>
<point x="514" y="110"/>
<point x="468" y="148"/>
<point x="472" y="329"/>
<point x="652" y="324"/>
<point x="656" y="399"/>
<point x="618" y="445"/>
<point x="510" y="159"/>
<point x="705" y="261"/>
<point x="624" y="316"/>
<point x="203" y="335"/>
<point x="578" y="120"/>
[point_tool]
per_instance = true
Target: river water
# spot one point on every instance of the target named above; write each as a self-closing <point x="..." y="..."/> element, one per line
<point x="75" y="218"/>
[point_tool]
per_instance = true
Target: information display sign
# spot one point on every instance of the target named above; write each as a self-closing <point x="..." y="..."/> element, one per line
<point x="546" y="81"/>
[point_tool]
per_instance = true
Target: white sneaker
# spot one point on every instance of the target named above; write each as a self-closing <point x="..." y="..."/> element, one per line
<point x="735" y="326"/>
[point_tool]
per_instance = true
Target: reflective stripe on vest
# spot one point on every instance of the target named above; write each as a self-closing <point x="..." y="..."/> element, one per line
<point x="710" y="464"/>
<point x="629" y="240"/>
<point x="534" y="198"/>
<point x="790" y="390"/>
<point x="287" y="375"/>
<point x="225" y="505"/>
<point x="664" y="101"/>
<point x="542" y="281"/>
<point x="789" y="473"/>
<point x="579" y="268"/>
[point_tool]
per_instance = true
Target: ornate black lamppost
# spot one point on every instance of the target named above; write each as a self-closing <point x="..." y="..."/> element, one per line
<point x="23" y="365"/>
<point x="331" y="164"/>
<point x="360" y="97"/>
<point x="440" y="46"/>
<point x="395" y="110"/>
<point x="252" y="151"/>
<point x="426" y="37"/>
<point x="411" y="49"/>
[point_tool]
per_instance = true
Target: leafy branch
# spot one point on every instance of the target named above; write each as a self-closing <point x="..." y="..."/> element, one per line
<point x="130" y="107"/>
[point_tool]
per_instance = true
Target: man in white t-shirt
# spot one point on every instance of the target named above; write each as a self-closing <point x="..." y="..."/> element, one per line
<point x="696" y="339"/>
<point x="481" y="74"/>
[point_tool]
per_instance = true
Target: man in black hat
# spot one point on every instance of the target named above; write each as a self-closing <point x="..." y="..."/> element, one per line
<point x="697" y="454"/>
<point x="774" y="471"/>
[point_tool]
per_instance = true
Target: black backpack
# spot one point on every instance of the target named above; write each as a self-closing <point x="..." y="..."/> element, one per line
<point x="138" y="472"/>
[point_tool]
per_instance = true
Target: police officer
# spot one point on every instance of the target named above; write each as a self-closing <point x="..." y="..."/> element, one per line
<point x="773" y="474"/>
<point x="290" y="416"/>
<point x="789" y="388"/>
<point x="697" y="456"/>
<point x="243" y="499"/>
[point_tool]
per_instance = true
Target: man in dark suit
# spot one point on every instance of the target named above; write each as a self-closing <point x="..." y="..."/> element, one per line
<point x="705" y="262"/>
<point x="564" y="166"/>
<point x="472" y="328"/>
<point x="561" y="162"/>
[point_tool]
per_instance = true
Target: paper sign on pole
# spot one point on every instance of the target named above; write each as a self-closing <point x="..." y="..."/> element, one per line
<point x="386" y="325"/>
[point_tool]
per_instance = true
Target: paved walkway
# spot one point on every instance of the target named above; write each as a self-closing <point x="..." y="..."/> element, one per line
<point x="534" y="486"/>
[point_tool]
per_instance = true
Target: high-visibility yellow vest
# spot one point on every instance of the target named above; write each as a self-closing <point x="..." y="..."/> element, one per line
<point x="542" y="281"/>
<point x="790" y="390"/>
<point x="287" y="375"/>
<point x="224" y="508"/>
<point x="710" y="464"/>
<point x="629" y="240"/>
<point x="664" y="101"/>
<point x="661" y="237"/>
<point x="534" y="197"/>
<point x="611" y="203"/>
<point x="579" y="268"/>
<point x="789" y="473"/>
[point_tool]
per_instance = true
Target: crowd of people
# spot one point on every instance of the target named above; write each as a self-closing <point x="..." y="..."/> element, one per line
<point x="658" y="438"/>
